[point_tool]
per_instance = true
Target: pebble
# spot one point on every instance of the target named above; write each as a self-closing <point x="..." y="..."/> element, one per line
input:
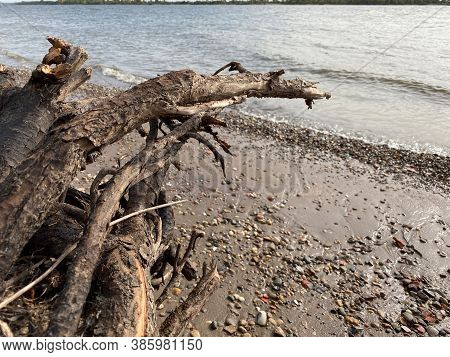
<point x="230" y="329"/>
<point x="305" y="283"/>
<point x="432" y="331"/>
<point x="242" y="329"/>
<point x="409" y="318"/>
<point x="261" y="318"/>
<point x="278" y="331"/>
<point x="230" y="321"/>
<point x="195" y="333"/>
<point x="381" y="313"/>
<point x="351" y="320"/>
<point x="213" y="325"/>
<point x="420" y="329"/>
<point x="176" y="291"/>
<point x="406" y="329"/>
<point x="277" y="281"/>
<point x="356" y="331"/>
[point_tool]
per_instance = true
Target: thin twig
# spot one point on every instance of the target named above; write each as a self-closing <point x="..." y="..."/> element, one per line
<point x="96" y="183"/>
<point x="22" y="274"/>
<point x="217" y="155"/>
<point x="22" y="291"/>
<point x="4" y="327"/>
<point x="145" y="210"/>
<point x="178" y="265"/>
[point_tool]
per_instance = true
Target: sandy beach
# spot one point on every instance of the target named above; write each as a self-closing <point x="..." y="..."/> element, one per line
<point x="314" y="234"/>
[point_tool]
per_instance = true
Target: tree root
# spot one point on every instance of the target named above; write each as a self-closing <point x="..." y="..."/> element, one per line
<point x="177" y="321"/>
<point x="122" y="247"/>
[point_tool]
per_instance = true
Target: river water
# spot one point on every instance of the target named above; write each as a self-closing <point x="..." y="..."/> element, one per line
<point x="388" y="68"/>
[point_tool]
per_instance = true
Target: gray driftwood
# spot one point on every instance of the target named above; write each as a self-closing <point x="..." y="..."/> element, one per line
<point x="45" y="142"/>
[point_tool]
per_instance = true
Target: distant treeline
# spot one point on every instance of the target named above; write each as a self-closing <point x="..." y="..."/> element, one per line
<point x="241" y="2"/>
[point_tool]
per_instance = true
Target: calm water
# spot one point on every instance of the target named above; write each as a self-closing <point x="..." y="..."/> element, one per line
<point x="401" y="98"/>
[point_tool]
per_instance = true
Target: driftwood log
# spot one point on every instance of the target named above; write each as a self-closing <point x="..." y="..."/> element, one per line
<point x="45" y="141"/>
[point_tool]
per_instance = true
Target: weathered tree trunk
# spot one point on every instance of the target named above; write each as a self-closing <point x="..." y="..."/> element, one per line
<point x="28" y="112"/>
<point x="46" y="142"/>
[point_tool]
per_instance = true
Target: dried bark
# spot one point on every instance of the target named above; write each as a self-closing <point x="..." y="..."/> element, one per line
<point x="48" y="141"/>
<point x="28" y="112"/>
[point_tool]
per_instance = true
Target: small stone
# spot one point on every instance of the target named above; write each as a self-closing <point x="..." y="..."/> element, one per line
<point x="396" y="327"/>
<point x="277" y="281"/>
<point x="275" y="240"/>
<point x="176" y="291"/>
<point x="230" y="329"/>
<point x="195" y="333"/>
<point x="420" y="329"/>
<point x="381" y="313"/>
<point x="406" y="329"/>
<point x="278" y="332"/>
<point x="399" y="242"/>
<point x="351" y="320"/>
<point x="261" y="318"/>
<point x="242" y="329"/>
<point x="432" y="331"/>
<point x="355" y="331"/>
<point x="305" y="283"/>
<point x="213" y="325"/>
<point x="230" y="321"/>
<point x="409" y="318"/>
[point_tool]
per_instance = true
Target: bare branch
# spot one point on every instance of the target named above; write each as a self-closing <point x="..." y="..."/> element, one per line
<point x="96" y="183"/>
<point x="177" y="321"/>
<point x="217" y="155"/>
<point x="40" y="278"/>
<point x="179" y="265"/>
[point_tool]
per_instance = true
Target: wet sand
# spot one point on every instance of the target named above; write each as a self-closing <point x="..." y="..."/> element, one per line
<point x="323" y="243"/>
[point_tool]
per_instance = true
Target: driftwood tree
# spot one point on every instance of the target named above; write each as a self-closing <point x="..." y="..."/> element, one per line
<point x="45" y="141"/>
